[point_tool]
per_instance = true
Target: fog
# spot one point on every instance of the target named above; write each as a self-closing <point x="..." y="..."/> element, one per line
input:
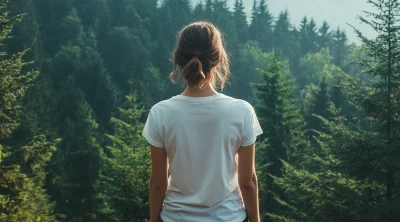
<point x="336" y="12"/>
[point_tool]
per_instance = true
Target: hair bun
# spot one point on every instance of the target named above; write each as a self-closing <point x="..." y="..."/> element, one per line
<point x="200" y="56"/>
<point x="193" y="71"/>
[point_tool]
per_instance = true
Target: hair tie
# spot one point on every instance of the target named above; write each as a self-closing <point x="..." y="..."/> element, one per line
<point x="199" y="56"/>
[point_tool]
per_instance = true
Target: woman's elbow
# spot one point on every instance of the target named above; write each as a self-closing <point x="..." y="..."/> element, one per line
<point x="249" y="181"/>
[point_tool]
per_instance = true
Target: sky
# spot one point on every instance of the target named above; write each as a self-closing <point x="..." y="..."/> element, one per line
<point x="336" y="12"/>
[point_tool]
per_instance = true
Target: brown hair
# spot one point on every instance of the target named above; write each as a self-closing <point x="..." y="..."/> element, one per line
<point x="200" y="56"/>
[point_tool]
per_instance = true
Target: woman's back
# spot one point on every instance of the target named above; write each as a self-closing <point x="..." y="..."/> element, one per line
<point x="202" y="136"/>
<point x="206" y="137"/>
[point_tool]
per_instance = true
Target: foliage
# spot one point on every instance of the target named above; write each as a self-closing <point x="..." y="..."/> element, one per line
<point x="352" y="176"/>
<point x="283" y="126"/>
<point x="22" y="169"/>
<point x="329" y="108"/>
<point x="312" y="66"/>
<point x="126" y="171"/>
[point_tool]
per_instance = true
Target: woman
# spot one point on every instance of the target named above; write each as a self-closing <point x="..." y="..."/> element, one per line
<point x="203" y="138"/>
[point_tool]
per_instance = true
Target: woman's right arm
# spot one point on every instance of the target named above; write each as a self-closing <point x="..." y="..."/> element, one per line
<point x="248" y="182"/>
<point x="158" y="181"/>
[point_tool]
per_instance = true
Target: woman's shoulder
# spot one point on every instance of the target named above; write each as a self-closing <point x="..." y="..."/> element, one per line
<point x="160" y="105"/>
<point x="165" y="105"/>
<point x="237" y="103"/>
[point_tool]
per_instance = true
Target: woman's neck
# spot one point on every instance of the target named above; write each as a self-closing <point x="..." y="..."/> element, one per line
<point x="200" y="92"/>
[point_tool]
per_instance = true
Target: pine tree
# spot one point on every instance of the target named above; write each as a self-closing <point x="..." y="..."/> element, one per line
<point x="283" y="36"/>
<point x="240" y="20"/>
<point x="23" y="160"/>
<point x="312" y="35"/>
<point x="90" y="72"/>
<point x="320" y="106"/>
<point x="49" y="16"/>
<point x="254" y="23"/>
<point x="322" y="100"/>
<point x="339" y="47"/>
<point x="341" y="102"/>
<point x="75" y="168"/>
<point x="308" y="36"/>
<point x="381" y="104"/>
<point x="324" y="38"/>
<point x="26" y="33"/>
<point x="138" y="34"/>
<point x="165" y="40"/>
<point x="303" y="38"/>
<point x="80" y="95"/>
<point x="126" y="172"/>
<point x="127" y="47"/>
<point x="261" y="26"/>
<point x="296" y="54"/>
<point x="225" y="22"/>
<point x="264" y="20"/>
<point x="281" y="122"/>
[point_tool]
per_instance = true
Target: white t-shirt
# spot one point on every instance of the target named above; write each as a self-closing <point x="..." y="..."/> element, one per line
<point x="202" y="136"/>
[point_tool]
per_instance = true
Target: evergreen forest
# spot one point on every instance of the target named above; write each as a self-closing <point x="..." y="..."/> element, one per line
<point x="78" y="77"/>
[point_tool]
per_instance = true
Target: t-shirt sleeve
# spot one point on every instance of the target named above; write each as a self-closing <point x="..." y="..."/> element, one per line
<point x="252" y="128"/>
<point x="151" y="131"/>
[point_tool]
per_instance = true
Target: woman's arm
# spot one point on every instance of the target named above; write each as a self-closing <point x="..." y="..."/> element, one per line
<point x="158" y="181"/>
<point x="248" y="182"/>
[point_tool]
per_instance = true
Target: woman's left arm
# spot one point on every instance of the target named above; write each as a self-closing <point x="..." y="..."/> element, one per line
<point x="158" y="181"/>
